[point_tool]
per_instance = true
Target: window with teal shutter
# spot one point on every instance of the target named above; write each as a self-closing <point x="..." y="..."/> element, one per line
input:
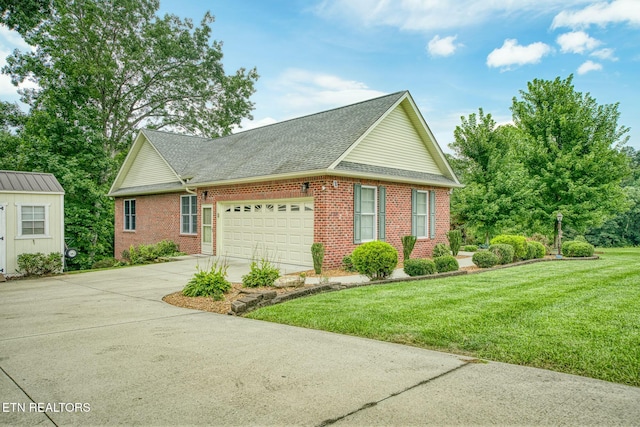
<point x="382" y="208"/>
<point x="357" y="190"/>
<point x="432" y="210"/>
<point x="365" y="213"/>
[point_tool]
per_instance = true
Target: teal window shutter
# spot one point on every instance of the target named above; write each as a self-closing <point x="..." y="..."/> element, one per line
<point x="357" y="210"/>
<point x="414" y="212"/>
<point x="382" y="210"/>
<point x="432" y="212"/>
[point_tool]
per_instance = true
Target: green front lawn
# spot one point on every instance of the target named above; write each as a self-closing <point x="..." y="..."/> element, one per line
<point x="579" y="317"/>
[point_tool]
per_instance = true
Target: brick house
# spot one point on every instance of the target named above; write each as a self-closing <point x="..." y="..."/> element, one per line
<point x="368" y="171"/>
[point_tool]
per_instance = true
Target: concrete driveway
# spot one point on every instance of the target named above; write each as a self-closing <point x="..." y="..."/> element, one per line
<point x="101" y="348"/>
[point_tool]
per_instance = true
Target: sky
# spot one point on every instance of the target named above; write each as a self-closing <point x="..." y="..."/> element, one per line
<point x="454" y="56"/>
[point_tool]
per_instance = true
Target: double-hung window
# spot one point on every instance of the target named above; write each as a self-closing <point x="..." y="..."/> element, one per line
<point x="130" y="214"/>
<point x="423" y="214"/>
<point x="188" y="214"/>
<point x="369" y="213"/>
<point x="33" y="221"/>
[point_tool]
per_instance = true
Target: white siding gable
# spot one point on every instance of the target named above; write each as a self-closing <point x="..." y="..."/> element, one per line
<point x="394" y="143"/>
<point x="148" y="168"/>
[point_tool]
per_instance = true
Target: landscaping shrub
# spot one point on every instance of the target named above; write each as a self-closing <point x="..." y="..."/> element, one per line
<point x="211" y="282"/>
<point x="519" y="244"/>
<point x="347" y="263"/>
<point x="419" y="267"/>
<point x="577" y="249"/>
<point x="504" y="252"/>
<point x="408" y="243"/>
<point x="535" y="250"/>
<point x="317" y="253"/>
<point x="541" y="238"/>
<point x="376" y="259"/>
<point x="446" y="263"/>
<point x="455" y="241"/>
<point x="144" y="254"/>
<point x="470" y="248"/>
<point x="441" y="249"/>
<point x="262" y="273"/>
<point x="39" y="264"/>
<point x="106" y="263"/>
<point x="485" y="259"/>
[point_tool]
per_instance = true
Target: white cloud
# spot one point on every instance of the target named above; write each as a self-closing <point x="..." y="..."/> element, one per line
<point x="606" y="53"/>
<point x="433" y="15"/>
<point x="511" y="53"/>
<point x="10" y="40"/>
<point x="305" y="92"/>
<point x="577" y="42"/>
<point x="589" y="66"/>
<point x="601" y="13"/>
<point x="252" y="124"/>
<point x="443" y="46"/>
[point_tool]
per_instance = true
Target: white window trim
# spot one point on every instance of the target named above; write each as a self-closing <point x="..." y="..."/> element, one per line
<point x="46" y="234"/>
<point x="426" y="215"/>
<point x="124" y="215"/>
<point x="375" y="213"/>
<point x="193" y="226"/>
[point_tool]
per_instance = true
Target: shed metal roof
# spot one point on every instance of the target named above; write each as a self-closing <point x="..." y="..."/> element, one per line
<point x="29" y="182"/>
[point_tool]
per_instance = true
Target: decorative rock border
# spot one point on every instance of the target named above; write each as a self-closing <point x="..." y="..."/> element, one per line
<point x="258" y="298"/>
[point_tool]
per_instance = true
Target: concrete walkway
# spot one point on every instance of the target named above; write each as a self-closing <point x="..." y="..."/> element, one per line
<point x="101" y="348"/>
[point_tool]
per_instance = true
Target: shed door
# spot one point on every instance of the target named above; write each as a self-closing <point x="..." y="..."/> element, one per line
<point x="281" y="230"/>
<point x="3" y="238"/>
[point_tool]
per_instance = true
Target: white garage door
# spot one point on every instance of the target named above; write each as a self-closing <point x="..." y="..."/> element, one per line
<point x="280" y="230"/>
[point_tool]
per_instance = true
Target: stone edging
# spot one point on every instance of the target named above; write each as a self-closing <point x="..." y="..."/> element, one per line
<point x="259" y="299"/>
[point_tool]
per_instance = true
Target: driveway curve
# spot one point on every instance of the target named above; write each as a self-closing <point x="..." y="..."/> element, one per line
<point x="101" y="348"/>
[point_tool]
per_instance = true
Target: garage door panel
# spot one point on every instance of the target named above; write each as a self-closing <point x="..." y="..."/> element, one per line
<point x="282" y="231"/>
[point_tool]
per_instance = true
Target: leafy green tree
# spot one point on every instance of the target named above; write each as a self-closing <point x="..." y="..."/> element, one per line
<point x="23" y="15"/>
<point x="572" y="154"/>
<point x="623" y="229"/>
<point x="495" y="193"/>
<point x="104" y="69"/>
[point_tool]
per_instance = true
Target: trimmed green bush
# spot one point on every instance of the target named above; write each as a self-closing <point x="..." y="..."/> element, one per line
<point x="446" y="263"/>
<point x="577" y="249"/>
<point x="504" y="253"/>
<point x="455" y="241"/>
<point x="347" y="263"/>
<point x="209" y="283"/>
<point x="470" y="248"/>
<point x="535" y="250"/>
<point x="261" y="273"/>
<point x="485" y="259"/>
<point x="408" y="243"/>
<point x="519" y="244"/>
<point x="317" y="253"/>
<point x="145" y="254"/>
<point x="419" y="267"/>
<point x="39" y="264"/>
<point x="376" y="259"/>
<point x="440" y="249"/>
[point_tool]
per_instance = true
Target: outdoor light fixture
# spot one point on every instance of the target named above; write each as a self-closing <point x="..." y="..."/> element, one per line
<point x="305" y="187"/>
<point x="205" y="194"/>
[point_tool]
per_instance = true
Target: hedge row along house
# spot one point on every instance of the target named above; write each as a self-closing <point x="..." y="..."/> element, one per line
<point x="31" y="217"/>
<point x="368" y="171"/>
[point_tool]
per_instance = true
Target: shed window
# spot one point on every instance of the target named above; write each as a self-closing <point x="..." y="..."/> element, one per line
<point x="130" y="214"/>
<point x="33" y="220"/>
<point x="189" y="214"/>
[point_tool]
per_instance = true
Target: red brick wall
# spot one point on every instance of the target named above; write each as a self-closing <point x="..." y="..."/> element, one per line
<point x="158" y="216"/>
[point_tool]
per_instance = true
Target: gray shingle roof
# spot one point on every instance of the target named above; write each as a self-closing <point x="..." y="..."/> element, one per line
<point x="307" y="143"/>
<point x="400" y="173"/>
<point x="29" y="182"/>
